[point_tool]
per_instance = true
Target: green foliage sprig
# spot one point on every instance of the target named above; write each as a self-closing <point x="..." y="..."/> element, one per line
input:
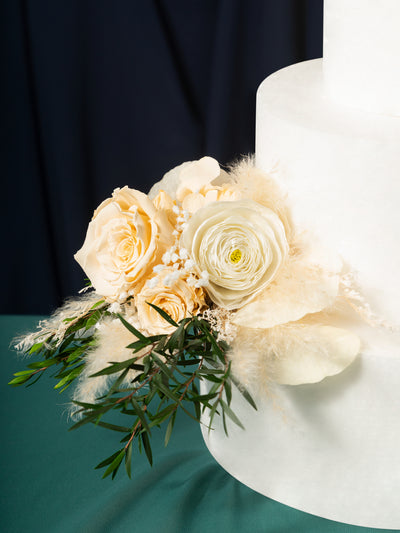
<point x="167" y="370"/>
<point x="68" y="351"/>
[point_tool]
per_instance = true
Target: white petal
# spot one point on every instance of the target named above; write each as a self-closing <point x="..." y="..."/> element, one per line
<point x="196" y="175"/>
<point x="299" y="290"/>
<point x="169" y="182"/>
<point x="193" y="202"/>
<point x="308" y="354"/>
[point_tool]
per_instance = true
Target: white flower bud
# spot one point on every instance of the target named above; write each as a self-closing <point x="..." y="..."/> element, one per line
<point x="123" y="296"/>
<point x="166" y="258"/>
<point x="183" y="254"/>
<point x="115" y="308"/>
<point x="189" y="264"/>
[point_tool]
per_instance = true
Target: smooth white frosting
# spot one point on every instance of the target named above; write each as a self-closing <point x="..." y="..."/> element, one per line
<point x="362" y="53"/>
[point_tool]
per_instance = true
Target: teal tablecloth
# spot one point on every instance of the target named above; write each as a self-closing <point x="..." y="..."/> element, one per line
<point x="49" y="484"/>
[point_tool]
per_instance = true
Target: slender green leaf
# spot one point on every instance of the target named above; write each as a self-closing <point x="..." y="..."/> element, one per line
<point x="170" y="427"/>
<point x="137" y="345"/>
<point x="113" y="427"/>
<point x="107" y="461"/>
<point x="115" y="367"/>
<point x="70" y="377"/>
<point x="147" y="447"/>
<point x="97" y="304"/>
<point x="176" y="339"/>
<point x="128" y="460"/>
<point x="211" y="377"/>
<point x="141" y="414"/>
<point x="115" y="463"/>
<point x="202" y="397"/>
<point x="19" y="380"/>
<point x="224" y="423"/>
<point x="35" y="347"/>
<point x="195" y="391"/>
<point x="85" y="405"/>
<point x="35" y="380"/>
<point x="90" y="417"/>
<point x="93" y="319"/>
<point x="213" y="412"/>
<point x="162" y="415"/>
<point x="163" y="314"/>
<point x="115" y="386"/>
<point x="245" y="393"/>
<point x="132" y="329"/>
<point x="228" y="391"/>
<point x="231" y="414"/>
<point x="23" y="373"/>
<point x="46" y="363"/>
<point x="165" y="369"/>
<point x="167" y="392"/>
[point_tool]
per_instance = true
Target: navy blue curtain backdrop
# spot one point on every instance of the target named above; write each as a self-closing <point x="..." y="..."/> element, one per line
<point x="99" y="94"/>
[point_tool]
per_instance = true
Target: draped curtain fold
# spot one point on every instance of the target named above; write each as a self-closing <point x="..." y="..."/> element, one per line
<point x="100" y="94"/>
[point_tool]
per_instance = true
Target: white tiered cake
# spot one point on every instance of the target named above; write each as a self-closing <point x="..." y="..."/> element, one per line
<point x="332" y="128"/>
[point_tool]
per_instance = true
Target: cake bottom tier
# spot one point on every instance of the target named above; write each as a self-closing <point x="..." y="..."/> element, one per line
<point x="329" y="449"/>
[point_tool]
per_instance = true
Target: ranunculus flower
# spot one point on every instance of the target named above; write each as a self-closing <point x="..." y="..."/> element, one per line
<point x="240" y="244"/>
<point x="178" y="299"/>
<point x="125" y="239"/>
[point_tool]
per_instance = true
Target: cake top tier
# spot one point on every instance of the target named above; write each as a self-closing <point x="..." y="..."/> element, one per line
<point x="362" y="54"/>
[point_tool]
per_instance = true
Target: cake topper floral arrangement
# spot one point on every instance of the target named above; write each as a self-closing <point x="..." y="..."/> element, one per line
<point x="205" y="278"/>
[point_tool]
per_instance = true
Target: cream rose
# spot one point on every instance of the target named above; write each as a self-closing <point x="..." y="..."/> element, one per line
<point x="240" y="245"/>
<point x="125" y="239"/>
<point x="178" y="299"/>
